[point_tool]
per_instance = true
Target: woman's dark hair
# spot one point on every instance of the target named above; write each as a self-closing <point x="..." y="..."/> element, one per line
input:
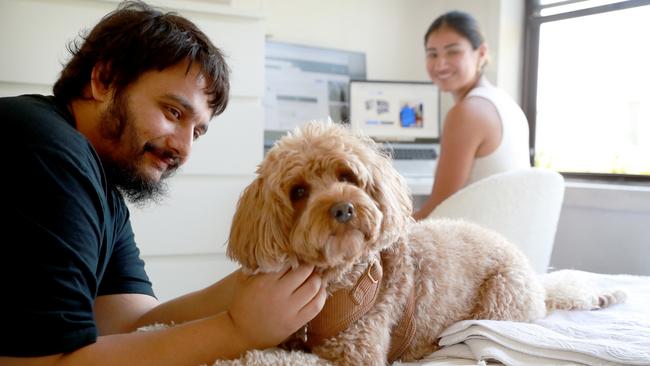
<point x="462" y="23"/>
<point x="135" y="39"/>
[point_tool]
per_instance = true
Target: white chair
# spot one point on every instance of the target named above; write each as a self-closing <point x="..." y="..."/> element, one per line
<point x="522" y="205"/>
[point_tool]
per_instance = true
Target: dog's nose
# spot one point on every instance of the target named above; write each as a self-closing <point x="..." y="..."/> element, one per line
<point x="342" y="212"/>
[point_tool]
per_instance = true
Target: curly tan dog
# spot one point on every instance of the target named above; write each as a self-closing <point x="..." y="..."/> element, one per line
<point x="326" y="197"/>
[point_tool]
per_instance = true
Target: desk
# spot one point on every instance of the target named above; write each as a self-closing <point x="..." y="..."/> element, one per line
<point x="418" y="174"/>
<point x="419" y="185"/>
<point x="420" y="189"/>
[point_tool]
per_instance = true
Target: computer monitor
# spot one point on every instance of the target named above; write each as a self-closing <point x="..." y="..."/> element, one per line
<point x="397" y="111"/>
<point x="305" y="83"/>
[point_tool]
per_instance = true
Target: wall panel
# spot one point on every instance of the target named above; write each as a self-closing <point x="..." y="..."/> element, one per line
<point x="178" y="275"/>
<point x="233" y="144"/>
<point x="194" y="218"/>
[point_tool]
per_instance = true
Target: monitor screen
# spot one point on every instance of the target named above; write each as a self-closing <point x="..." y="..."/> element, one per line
<point x="305" y="83"/>
<point x="406" y="111"/>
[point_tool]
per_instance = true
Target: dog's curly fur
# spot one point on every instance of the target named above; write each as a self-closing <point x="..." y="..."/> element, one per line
<point x="457" y="269"/>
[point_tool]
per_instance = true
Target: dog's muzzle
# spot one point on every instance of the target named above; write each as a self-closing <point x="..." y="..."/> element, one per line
<point x="342" y="212"/>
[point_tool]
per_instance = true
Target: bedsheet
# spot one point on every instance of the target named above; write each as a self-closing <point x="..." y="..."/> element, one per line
<point x="618" y="335"/>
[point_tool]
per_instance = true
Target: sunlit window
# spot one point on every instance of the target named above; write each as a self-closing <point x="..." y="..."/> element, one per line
<point x="592" y="101"/>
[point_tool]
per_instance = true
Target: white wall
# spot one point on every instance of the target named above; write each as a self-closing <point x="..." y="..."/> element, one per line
<point x="604" y="228"/>
<point x="390" y="32"/>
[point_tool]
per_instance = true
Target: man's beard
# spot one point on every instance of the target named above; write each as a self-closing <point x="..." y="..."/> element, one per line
<point x="123" y="172"/>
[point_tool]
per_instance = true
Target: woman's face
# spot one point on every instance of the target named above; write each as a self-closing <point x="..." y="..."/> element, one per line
<point x="452" y="64"/>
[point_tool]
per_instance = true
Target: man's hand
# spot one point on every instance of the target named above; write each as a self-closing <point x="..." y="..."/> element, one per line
<point x="267" y="308"/>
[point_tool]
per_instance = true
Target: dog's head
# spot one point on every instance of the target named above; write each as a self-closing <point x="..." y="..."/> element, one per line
<point x="322" y="196"/>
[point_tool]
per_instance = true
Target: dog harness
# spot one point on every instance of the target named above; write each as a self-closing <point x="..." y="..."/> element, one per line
<point x="346" y="306"/>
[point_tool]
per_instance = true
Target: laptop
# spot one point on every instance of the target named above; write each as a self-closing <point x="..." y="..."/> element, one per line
<point x="402" y="116"/>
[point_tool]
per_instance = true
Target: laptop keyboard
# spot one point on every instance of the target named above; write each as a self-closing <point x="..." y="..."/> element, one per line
<point x="413" y="154"/>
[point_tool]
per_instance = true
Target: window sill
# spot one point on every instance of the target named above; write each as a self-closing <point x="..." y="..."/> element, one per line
<point x="619" y="196"/>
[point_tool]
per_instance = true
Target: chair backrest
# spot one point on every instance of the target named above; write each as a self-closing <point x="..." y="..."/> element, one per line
<point x="522" y="205"/>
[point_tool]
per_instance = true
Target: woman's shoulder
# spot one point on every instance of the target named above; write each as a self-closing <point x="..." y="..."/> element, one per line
<point x="472" y="110"/>
<point x="494" y="95"/>
<point x="472" y="118"/>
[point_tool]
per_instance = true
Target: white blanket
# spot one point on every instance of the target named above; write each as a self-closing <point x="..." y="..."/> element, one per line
<point x="618" y="335"/>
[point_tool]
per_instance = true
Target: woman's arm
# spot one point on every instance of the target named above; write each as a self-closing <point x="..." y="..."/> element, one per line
<point x="469" y="126"/>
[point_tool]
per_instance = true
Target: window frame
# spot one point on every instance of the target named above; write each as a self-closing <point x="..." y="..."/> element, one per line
<point x="533" y="21"/>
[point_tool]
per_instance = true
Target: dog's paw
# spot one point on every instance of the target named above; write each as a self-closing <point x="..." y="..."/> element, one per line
<point x="155" y="326"/>
<point x="604" y="300"/>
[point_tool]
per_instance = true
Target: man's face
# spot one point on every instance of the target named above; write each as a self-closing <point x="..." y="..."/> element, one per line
<point x="148" y="130"/>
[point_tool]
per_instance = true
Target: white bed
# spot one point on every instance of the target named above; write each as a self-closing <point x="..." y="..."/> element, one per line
<point x="618" y="335"/>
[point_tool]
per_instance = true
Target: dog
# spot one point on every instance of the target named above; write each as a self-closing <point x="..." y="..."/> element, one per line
<point x="327" y="197"/>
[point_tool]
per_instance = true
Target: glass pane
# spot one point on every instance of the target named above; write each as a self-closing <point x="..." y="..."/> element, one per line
<point x="572" y="6"/>
<point x="593" y="96"/>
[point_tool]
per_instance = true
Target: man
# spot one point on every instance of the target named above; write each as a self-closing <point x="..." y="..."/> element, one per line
<point x="125" y="111"/>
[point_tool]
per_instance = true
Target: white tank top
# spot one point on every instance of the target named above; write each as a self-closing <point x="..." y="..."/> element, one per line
<point x="513" y="151"/>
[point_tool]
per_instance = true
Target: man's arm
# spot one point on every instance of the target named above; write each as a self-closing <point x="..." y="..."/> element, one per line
<point x="127" y="312"/>
<point x="465" y="129"/>
<point x="263" y="311"/>
<point x="199" y="304"/>
<point x="188" y="344"/>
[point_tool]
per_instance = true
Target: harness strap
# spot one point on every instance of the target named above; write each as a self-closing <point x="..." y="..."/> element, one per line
<point x="345" y="306"/>
<point x="403" y="332"/>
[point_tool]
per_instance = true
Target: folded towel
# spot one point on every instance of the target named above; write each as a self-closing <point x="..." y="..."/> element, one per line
<point x="618" y="335"/>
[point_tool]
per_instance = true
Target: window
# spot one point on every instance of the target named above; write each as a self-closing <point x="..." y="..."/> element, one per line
<point x="587" y="87"/>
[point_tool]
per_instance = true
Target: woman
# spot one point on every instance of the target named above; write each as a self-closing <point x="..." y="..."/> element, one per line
<point x="485" y="132"/>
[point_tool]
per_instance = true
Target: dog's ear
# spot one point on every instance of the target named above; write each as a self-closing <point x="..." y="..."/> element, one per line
<point x="256" y="234"/>
<point x="389" y="189"/>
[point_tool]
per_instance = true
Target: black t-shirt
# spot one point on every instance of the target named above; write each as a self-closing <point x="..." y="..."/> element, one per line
<point x="67" y="233"/>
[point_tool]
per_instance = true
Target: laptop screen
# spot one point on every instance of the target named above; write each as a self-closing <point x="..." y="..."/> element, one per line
<point x="405" y="111"/>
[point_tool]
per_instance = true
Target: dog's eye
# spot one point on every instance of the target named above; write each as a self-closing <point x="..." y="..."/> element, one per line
<point x="348" y="178"/>
<point x="297" y="193"/>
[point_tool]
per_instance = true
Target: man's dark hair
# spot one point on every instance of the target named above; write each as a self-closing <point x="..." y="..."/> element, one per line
<point x="462" y="23"/>
<point x="135" y="39"/>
